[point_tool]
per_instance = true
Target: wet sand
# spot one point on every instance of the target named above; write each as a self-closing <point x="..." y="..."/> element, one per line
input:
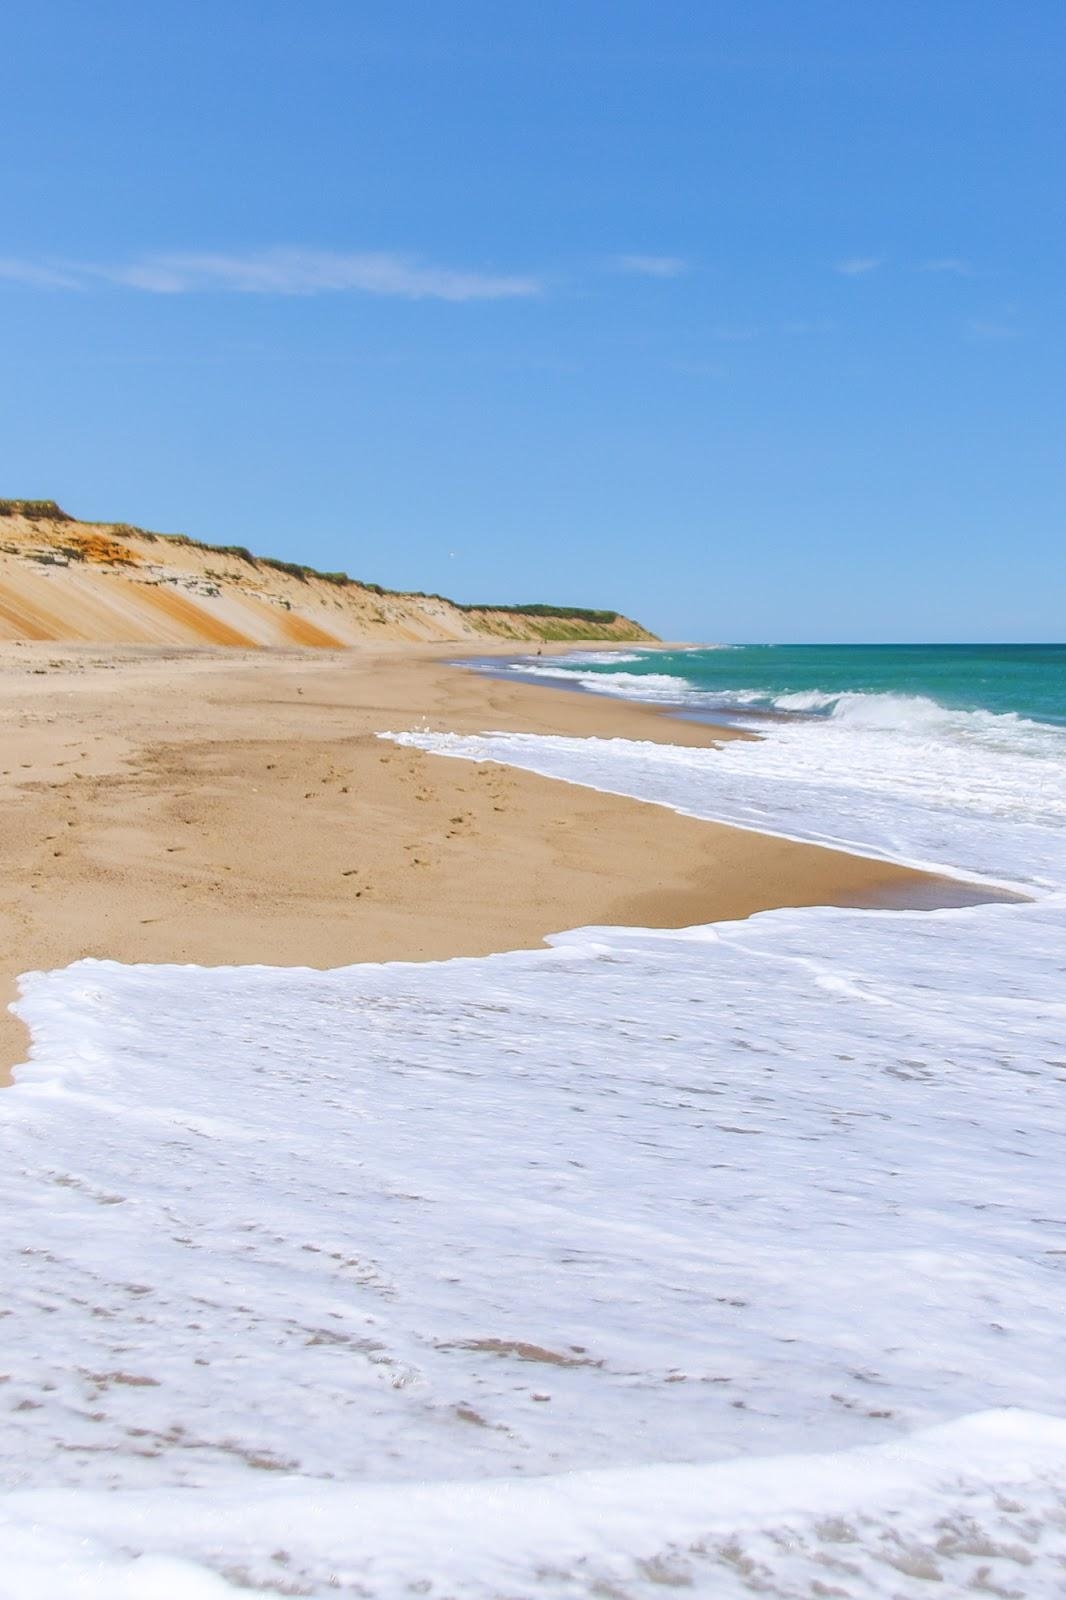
<point x="225" y="807"/>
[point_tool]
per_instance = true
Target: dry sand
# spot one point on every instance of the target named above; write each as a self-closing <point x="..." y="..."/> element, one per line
<point x="225" y="807"/>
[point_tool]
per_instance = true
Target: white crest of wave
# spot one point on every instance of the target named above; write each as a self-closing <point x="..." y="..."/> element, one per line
<point x="650" y="686"/>
<point x="593" y="657"/>
<point x="920" y="714"/>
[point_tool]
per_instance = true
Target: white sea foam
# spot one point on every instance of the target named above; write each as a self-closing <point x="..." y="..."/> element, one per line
<point x="975" y="793"/>
<point x="975" y="1506"/>
<point x="615" y="657"/>
<point x="588" y="1209"/>
<point x="657" y="687"/>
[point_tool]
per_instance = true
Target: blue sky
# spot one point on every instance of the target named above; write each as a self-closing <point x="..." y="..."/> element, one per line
<point x="745" y="318"/>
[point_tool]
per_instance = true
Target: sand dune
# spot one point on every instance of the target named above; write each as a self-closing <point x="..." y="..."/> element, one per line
<point x="64" y="580"/>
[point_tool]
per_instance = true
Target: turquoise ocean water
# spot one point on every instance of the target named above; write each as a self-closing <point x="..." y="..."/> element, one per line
<point x="1026" y="680"/>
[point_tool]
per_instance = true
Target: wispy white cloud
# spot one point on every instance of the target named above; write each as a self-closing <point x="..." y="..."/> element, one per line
<point x="37" y="275"/>
<point x="953" y="264"/>
<point x="652" y="266"/>
<point x="281" y="272"/>
<point x="858" y="266"/>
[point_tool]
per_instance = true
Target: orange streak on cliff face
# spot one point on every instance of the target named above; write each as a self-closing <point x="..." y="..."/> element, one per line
<point x="195" y="621"/>
<point x="102" y="550"/>
<point x="297" y="630"/>
<point x="26" y="620"/>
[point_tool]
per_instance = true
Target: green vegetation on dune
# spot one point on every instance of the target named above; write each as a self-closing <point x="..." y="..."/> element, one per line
<point x="553" y="628"/>
<point x="34" y="510"/>
<point x="578" y="613"/>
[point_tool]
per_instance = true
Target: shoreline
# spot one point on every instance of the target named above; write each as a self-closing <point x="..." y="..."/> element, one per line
<point x="223" y="807"/>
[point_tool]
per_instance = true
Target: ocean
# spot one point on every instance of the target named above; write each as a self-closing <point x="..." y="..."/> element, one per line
<point x="946" y="757"/>
<point x="730" y="1259"/>
<point x="1022" y="680"/>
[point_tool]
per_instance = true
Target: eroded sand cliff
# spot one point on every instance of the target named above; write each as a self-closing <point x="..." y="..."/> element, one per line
<point x="61" y="579"/>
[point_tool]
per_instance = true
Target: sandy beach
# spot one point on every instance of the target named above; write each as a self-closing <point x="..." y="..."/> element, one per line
<point x="222" y="807"/>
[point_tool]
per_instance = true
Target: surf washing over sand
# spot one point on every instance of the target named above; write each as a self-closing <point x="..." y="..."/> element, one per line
<point x="728" y="1258"/>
